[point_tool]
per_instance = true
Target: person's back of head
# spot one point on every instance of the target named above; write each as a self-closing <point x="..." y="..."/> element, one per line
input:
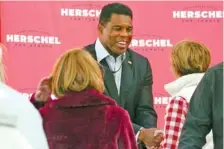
<point x="188" y="57"/>
<point x="76" y="70"/>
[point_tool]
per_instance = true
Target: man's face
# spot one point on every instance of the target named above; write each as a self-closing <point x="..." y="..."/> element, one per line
<point x="116" y="34"/>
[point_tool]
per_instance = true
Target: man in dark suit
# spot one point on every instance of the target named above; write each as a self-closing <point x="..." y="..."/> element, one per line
<point x="205" y="112"/>
<point x="127" y="75"/>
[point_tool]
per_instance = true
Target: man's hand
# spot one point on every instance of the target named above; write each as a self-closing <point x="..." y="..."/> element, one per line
<point x="151" y="137"/>
<point x="44" y="90"/>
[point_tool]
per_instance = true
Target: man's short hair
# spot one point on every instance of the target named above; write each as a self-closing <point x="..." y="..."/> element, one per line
<point x="114" y="8"/>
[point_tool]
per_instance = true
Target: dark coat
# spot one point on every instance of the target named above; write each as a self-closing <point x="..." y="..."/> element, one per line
<point x="86" y="120"/>
<point x="205" y="112"/>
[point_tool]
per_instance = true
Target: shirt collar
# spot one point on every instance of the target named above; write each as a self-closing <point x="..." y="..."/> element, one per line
<point x="101" y="52"/>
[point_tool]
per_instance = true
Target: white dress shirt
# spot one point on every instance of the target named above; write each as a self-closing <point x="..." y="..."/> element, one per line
<point x="18" y="112"/>
<point x="114" y="63"/>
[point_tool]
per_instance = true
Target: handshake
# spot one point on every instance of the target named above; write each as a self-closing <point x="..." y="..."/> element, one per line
<point x="151" y="137"/>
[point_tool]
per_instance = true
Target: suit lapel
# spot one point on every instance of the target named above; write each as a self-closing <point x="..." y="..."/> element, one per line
<point x="109" y="81"/>
<point x="127" y="77"/>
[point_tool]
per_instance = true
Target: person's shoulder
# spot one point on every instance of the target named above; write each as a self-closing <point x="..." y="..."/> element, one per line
<point x="217" y="67"/>
<point x="7" y="92"/>
<point x="214" y="72"/>
<point x="14" y="104"/>
<point x="137" y="55"/>
<point x="89" y="46"/>
<point x="105" y="99"/>
<point x="115" y="110"/>
<point x="116" y="114"/>
<point x="10" y="98"/>
<point x="139" y="59"/>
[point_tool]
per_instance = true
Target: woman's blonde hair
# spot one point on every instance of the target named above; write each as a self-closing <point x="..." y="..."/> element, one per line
<point x="2" y="71"/>
<point x="76" y="70"/>
<point x="189" y="57"/>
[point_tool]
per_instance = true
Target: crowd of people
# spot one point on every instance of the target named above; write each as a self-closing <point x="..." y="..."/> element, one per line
<point x="103" y="97"/>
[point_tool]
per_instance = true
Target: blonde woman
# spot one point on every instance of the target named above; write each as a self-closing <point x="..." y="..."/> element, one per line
<point x="20" y="123"/>
<point x="81" y="117"/>
<point x="189" y="61"/>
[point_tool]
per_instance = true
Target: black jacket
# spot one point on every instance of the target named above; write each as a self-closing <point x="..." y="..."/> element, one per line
<point x="205" y="112"/>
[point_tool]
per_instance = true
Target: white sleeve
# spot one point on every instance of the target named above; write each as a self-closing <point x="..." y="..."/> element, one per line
<point x="17" y="111"/>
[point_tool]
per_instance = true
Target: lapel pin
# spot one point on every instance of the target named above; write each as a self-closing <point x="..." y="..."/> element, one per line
<point x="129" y="62"/>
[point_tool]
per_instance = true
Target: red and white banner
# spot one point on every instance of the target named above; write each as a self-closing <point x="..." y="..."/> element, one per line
<point x="36" y="33"/>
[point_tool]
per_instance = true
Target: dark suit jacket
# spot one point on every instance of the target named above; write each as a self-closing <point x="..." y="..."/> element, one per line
<point x="135" y="91"/>
<point x="86" y="120"/>
<point x="205" y="112"/>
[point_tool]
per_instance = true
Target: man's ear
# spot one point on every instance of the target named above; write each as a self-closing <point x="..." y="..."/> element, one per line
<point x="100" y="28"/>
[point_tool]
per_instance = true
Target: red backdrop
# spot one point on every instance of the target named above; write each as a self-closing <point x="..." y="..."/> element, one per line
<point x="36" y="33"/>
